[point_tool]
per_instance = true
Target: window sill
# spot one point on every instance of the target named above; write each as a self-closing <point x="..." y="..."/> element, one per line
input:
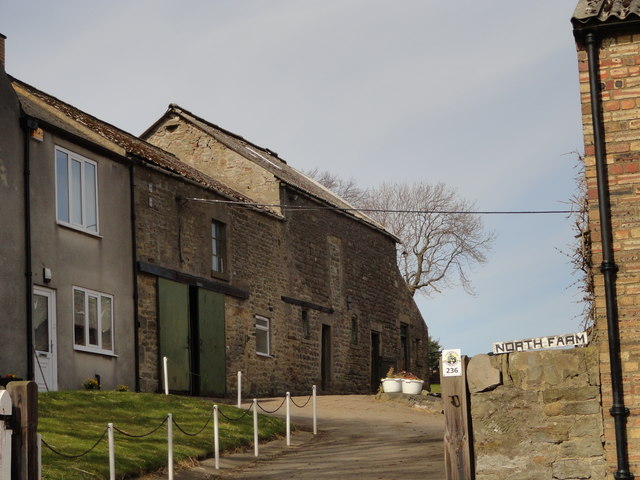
<point x="265" y="355"/>
<point x="95" y="351"/>
<point x="220" y="275"/>
<point x="78" y="229"/>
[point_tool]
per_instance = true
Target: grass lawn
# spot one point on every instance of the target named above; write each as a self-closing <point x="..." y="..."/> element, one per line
<point x="73" y="421"/>
<point x="435" y="388"/>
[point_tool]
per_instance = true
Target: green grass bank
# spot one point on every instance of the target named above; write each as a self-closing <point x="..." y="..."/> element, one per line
<point x="73" y="421"/>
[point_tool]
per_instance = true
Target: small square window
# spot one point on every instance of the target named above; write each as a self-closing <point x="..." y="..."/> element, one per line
<point x="263" y="326"/>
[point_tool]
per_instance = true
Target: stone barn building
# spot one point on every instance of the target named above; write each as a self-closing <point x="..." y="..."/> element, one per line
<point x="325" y="303"/>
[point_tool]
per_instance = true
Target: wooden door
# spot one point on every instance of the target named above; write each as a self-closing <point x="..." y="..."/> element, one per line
<point x="376" y="361"/>
<point x="173" y="305"/>
<point x="211" y="344"/>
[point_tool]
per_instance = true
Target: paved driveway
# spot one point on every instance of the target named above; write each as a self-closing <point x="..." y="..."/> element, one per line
<point x="359" y="438"/>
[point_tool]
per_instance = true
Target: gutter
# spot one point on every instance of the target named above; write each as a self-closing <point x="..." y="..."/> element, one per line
<point x="28" y="124"/>
<point x="608" y="267"/>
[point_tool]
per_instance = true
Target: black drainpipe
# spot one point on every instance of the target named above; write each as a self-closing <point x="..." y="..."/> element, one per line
<point x="136" y="322"/>
<point x="608" y="266"/>
<point x="28" y="125"/>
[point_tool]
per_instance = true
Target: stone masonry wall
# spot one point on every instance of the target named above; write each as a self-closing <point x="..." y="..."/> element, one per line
<point x="176" y="234"/>
<point x="327" y="259"/>
<point x="321" y="257"/>
<point x="340" y="263"/>
<point x="208" y="155"/>
<point x="537" y="415"/>
<point x="620" y="92"/>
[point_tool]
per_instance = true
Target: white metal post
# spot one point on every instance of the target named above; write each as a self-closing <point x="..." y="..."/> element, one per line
<point x="6" y="407"/>
<point x="315" y="413"/>
<point x="166" y="375"/>
<point x="255" y="427"/>
<point x="170" y="444"/>
<point x="112" y="455"/>
<point x="239" y="388"/>
<point x="216" y="438"/>
<point x="288" y="409"/>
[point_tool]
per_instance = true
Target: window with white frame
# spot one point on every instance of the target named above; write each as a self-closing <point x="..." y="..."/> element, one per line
<point x="92" y="321"/>
<point x="263" y="346"/>
<point x="76" y="191"/>
<point x="217" y="246"/>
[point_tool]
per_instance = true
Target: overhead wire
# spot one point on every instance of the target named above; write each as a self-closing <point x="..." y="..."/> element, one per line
<point x="383" y="210"/>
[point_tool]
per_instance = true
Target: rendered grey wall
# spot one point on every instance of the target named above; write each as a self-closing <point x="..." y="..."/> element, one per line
<point x="13" y="342"/>
<point x="101" y="263"/>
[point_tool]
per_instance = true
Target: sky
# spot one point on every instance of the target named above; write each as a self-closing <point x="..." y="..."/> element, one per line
<point x="482" y="96"/>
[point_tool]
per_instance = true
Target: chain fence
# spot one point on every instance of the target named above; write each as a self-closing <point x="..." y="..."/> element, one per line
<point x="213" y="414"/>
<point x="70" y="456"/>
<point x="304" y="404"/>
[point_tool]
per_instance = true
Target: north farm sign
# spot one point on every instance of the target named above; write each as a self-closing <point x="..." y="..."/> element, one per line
<point x="554" y="341"/>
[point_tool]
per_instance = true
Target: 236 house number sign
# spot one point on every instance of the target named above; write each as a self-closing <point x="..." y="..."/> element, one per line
<point x="451" y="363"/>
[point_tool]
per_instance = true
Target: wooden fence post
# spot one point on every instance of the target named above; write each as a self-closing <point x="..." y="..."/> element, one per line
<point x="458" y="457"/>
<point x="24" y="396"/>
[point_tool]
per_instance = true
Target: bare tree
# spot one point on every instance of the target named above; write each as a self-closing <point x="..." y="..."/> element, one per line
<point x="440" y="239"/>
<point x="348" y="190"/>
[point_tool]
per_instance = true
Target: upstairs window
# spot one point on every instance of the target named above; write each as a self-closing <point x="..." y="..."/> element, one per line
<point x="92" y="321"/>
<point x="76" y="191"/>
<point x="217" y="247"/>
<point x="263" y="346"/>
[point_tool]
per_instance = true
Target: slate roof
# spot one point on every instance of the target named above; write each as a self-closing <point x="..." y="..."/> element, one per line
<point x="63" y="116"/>
<point x="271" y="162"/>
<point x="601" y="11"/>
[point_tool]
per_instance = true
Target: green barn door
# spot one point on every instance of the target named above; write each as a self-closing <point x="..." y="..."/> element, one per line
<point x="173" y="304"/>
<point x="212" y="342"/>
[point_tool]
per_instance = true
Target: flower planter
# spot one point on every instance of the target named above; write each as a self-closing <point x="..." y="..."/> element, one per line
<point x="412" y="387"/>
<point x="391" y="385"/>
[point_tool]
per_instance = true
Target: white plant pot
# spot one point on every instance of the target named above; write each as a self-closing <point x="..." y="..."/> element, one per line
<point x="412" y="387"/>
<point x="391" y="385"/>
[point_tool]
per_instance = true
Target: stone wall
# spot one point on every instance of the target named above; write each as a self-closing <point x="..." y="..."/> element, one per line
<point x="537" y="415"/>
<point x="343" y="264"/>
<point x="337" y="274"/>
<point x="208" y="155"/>
<point x="619" y="71"/>
<point x="175" y="233"/>
<point x="321" y="257"/>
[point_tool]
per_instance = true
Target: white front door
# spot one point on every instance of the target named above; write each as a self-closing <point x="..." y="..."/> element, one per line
<point x="44" y="339"/>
